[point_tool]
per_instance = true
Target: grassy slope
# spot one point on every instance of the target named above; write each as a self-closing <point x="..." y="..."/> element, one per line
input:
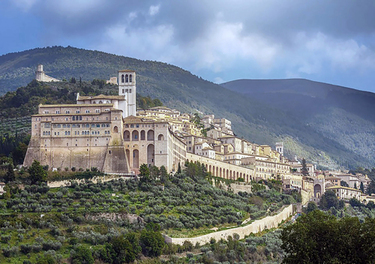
<point x="179" y="89"/>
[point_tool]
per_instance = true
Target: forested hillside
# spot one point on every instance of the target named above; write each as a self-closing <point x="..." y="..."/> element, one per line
<point x="344" y="115"/>
<point x="177" y="88"/>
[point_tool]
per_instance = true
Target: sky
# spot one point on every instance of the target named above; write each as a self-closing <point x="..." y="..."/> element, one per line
<point x="330" y="41"/>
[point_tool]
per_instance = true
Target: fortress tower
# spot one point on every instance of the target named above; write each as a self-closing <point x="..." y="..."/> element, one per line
<point x="127" y="88"/>
<point x="42" y="77"/>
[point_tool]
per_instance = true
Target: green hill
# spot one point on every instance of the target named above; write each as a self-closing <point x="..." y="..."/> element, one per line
<point x="251" y="118"/>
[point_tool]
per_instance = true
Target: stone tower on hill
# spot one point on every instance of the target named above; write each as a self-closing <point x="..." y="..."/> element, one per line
<point x="42" y="77"/>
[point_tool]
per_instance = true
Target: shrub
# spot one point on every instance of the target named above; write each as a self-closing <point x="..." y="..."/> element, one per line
<point x="10" y="251"/>
<point x="82" y="254"/>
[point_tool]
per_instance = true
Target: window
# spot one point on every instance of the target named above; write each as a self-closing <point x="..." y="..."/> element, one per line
<point x="123" y="90"/>
<point x="46" y="112"/>
<point x="57" y="112"/>
<point x="77" y="111"/>
<point x="130" y="90"/>
<point x="87" y="111"/>
<point x="130" y="78"/>
<point x="97" y="111"/>
<point x="126" y="78"/>
<point x="67" y="112"/>
<point x="122" y="78"/>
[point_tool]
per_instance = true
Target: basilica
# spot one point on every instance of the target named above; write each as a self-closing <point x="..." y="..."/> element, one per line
<point x="109" y="134"/>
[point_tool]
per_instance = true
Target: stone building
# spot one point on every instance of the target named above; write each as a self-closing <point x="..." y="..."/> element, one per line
<point x="107" y="132"/>
<point x="41" y="76"/>
<point x="103" y="132"/>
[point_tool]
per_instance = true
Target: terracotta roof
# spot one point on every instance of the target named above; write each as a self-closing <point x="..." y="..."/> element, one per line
<point x="102" y="96"/>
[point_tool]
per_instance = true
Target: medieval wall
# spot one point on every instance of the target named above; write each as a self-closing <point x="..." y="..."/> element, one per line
<point x="255" y="227"/>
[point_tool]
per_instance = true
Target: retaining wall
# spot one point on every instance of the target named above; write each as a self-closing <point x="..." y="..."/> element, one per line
<point x="255" y="227"/>
<point x="56" y="184"/>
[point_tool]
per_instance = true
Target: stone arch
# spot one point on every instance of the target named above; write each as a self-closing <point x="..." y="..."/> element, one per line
<point x="135" y="159"/>
<point x="115" y="129"/>
<point x="150" y="155"/>
<point x="123" y="78"/>
<point x="150" y="134"/>
<point x="100" y="102"/>
<point x="161" y="137"/>
<point x="317" y="190"/>
<point x="143" y="135"/>
<point x="126" y="78"/>
<point x="135" y="135"/>
<point x="126" y="135"/>
<point x="130" y="78"/>
<point x="227" y="175"/>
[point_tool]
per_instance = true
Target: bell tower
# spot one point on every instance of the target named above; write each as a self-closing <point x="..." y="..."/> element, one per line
<point x="127" y="88"/>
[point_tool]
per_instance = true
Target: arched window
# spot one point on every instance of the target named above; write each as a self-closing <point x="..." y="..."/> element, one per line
<point x="150" y="135"/>
<point x="122" y="78"/>
<point x="126" y="78"/>
<point x="115" y="129"/>
<point x="135" y="159"/>
<point x="143" y="135"/>
<point x="127" y="135"/>
<point x="130" y="78"/>
<point x="135" y="135"/>
<point x="161" y="137"/>
<point x="150" y="154"/>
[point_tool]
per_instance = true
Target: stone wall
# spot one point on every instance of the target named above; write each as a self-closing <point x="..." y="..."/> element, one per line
<point x="255" y="227"/>
<point x="306" y="195"/>
<point x="222" y="169"/>
<point x="240" y="187"/>
<point x="56" y="184"/>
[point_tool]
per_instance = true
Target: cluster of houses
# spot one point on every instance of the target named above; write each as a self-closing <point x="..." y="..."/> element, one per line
<point x="215" y="140"/>
<point x="109" y="133"/>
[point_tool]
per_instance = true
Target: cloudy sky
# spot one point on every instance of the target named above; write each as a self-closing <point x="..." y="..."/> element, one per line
<point x="331" y="41"/>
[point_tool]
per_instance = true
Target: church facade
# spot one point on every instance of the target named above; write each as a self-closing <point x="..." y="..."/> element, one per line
<point x="102" y="132"/>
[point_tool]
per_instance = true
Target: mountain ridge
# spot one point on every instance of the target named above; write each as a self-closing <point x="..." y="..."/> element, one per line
<point x="177" y="88"/>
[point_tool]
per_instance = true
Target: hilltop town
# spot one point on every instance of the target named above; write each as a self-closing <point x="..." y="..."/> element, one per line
<point x="110" y="134"/>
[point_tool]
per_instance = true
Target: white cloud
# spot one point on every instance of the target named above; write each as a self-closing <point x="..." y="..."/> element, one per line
<point x="316" y="52"/>
<point x="153" y="10"/>
<point x="148" y="43"/>
<point x="225" y="43"/>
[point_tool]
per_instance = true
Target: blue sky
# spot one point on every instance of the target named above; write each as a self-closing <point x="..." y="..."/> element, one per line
<point x="328" y="41"/>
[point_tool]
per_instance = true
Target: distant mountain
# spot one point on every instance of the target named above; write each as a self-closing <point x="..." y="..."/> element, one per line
<point x="253" y="116"/>
<point x="344" y="115"/>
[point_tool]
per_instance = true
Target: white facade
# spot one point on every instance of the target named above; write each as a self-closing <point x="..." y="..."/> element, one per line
<point x="127" y="88"/>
